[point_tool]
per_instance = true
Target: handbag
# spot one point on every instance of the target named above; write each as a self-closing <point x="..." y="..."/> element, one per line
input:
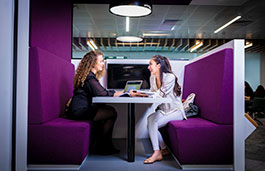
<point x="192" y="110"/>
<point x="189" y="99"/>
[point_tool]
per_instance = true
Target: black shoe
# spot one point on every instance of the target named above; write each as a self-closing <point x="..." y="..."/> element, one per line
<point x="109" y="151"/>
<point x="114" y="150"/>
<point x="105" y="151"/>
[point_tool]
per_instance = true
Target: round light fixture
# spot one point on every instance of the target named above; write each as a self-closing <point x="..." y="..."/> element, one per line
<point x="137" y="8"/>
<point x="129" y="39"/>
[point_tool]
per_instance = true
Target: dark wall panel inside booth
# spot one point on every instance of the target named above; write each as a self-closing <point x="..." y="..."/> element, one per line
<point x="51" y="26"/>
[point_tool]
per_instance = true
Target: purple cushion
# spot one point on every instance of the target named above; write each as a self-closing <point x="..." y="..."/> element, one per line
<point x="60" y="141"/>
<point x="198" y="141"/>
<point x="211" y="79"/>
<point x="50" y="85"/>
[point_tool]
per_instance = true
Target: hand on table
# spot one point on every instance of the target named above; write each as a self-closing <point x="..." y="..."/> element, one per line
<point x="134" y="93"/>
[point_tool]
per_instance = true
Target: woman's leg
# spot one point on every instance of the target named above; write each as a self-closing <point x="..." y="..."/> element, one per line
<point x="153" y="129"/>
<point x="162" y="121"/>
<point x="107" y="116"/>
<point x="156" y="121"/>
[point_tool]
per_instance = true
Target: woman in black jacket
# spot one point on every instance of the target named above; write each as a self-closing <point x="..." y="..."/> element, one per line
<point x="86" y="86"/>
<point x="249" y="94"/>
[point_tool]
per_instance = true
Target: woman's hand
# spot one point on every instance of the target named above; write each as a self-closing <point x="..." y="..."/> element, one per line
<point x="134" y="93"/>
<point x="118" y="93"/>
<point x="247" y="97"/>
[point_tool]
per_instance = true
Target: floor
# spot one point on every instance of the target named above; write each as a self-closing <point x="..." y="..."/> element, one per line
<point x="119" y="162"/>
<point x="255" y="148"/>
<point x="255" y="156"/>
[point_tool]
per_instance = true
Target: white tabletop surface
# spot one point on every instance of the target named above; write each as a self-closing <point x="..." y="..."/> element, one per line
<point x="130" y="100"/>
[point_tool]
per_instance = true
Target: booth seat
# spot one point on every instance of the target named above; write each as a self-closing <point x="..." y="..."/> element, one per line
<point x="51" y="139"/>
<point x="207" y="139"/>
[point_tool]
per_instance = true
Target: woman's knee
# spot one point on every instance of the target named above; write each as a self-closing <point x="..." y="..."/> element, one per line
<point x="150" y="119"/>
<point x="113" y="112"/>
<point x="106" y="113"/>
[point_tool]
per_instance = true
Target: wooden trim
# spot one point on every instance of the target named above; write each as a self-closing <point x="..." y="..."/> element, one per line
<point x="251" y="120"/>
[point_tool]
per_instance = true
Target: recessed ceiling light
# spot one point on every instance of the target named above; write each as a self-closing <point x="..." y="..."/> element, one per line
<point x="127" y="24"/>
<point x="155" y="34"/>
<point x="129" y="39"/>
<point x="136" y="8"/>
<point x="248" y="44"/>
<point x="198" y="44"/>
<point x="227" y="24"/>
<point x="91" y="44"/>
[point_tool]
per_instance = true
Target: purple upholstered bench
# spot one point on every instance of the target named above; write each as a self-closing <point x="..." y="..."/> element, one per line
<point x="207" y="139"/>
<point x="51" y="139"/>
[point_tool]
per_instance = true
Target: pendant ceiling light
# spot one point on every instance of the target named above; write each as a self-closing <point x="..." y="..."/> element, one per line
<point x="137" y="8"/>
<point x="129" y="39"/>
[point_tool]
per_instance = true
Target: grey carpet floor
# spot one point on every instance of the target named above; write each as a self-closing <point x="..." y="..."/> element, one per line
<point x="118" y="162"/>
<point x="255" y="149"/>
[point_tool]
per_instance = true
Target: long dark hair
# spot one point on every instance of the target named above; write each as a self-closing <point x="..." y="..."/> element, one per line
<point x="166" y="68"/>
<point x="248" y="90"/>
<point x="260" y="91"/>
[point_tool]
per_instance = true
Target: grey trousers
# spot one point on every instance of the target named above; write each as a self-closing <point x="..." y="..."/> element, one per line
<point x="157" y="120"/>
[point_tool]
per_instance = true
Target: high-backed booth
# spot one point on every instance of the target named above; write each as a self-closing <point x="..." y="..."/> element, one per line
<point x="51" y="139"/>
<point x="207" y="139"/>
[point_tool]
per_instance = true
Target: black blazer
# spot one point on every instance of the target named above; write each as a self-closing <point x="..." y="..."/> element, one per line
<point x="81" y="106"/>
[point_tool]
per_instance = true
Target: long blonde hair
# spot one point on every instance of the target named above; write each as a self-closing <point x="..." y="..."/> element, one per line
<point x="85" y="66"/>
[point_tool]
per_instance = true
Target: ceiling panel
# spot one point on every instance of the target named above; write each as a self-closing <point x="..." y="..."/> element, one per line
<point x="218" y="2"/>
<point x="190" y="21"/>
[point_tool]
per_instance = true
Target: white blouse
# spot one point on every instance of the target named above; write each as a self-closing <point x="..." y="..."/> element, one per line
<point x="168" y="89"/>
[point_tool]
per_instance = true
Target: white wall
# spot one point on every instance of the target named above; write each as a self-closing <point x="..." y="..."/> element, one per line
<point x="6" y="86"/>
<point x="252" y="69"/>
<point x="6" y="73"/>
<point x="262" y="69"/>
<point x="22" y="85"/>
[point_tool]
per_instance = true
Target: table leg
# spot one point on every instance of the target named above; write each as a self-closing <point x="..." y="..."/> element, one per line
<point x="131" y="132"/>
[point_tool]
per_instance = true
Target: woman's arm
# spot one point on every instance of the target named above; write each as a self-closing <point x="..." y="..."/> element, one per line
<point x="153" y="86"/>
<point x="96" y="88"/>
<point x="168" y="84"/>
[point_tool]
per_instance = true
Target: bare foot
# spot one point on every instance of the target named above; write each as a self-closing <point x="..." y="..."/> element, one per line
<point x="156" y="156"/>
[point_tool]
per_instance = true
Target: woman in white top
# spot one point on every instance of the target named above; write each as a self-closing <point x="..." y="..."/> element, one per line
<point x="165" y="84"/>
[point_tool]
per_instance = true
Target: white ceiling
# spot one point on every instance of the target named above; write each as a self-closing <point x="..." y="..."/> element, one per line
<point x="218" y="2"/>
<point x="197" y="20"/>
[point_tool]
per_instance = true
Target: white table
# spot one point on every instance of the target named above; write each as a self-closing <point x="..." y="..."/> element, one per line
<point x="131" y="115"/>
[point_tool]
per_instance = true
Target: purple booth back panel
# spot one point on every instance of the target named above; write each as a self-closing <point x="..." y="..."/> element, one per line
<point x="60" y="141"/>
<point x="50" y="85"/>
<point x="51" y="26"/>
<point x="211" y="79"/>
